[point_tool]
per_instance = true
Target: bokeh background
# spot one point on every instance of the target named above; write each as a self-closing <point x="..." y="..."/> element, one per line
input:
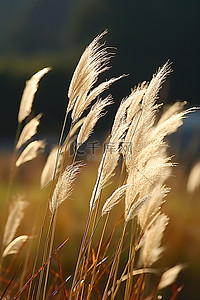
<point x="146" y="34"/>
<point x="39" y="33"/>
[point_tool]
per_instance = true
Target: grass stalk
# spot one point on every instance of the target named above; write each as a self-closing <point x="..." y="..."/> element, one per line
<point x="114" y="265"/>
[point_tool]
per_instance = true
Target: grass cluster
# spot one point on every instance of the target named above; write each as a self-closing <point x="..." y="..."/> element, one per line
<point x="115" y="263"/>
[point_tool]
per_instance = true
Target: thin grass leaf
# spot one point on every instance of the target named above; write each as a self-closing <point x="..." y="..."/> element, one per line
<point x="28" y="131"/>
<point x="138" y="272"/>
<point x="27" y="283"/>
<point x="15" y="245"/>
<point x="29" y="93"/>
<point x="30" y="152"/>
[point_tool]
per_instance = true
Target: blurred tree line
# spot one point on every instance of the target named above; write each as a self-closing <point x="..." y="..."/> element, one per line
<point x="40" y="33"/>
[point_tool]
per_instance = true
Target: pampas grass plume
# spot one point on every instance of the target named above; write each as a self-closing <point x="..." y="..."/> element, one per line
<point x="169" y="276"/>
<point x="64" y="186"/>
<point x="151" y="249"/>
<point x="194" y="178"/>
<point x="29" y="93"/>
<point x="28" y="131"/>
<point x="16" y="213"/>
<point x="114" y="199"/>
<point x="30" y="152"/>
<point x="49" y="168"/>
<point x="92" y="62"/>
<point x="90" y="121"/>
<point x="15" y="245"/>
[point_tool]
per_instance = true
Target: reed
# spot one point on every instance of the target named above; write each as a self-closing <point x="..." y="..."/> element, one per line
<point x="143" y="167"/>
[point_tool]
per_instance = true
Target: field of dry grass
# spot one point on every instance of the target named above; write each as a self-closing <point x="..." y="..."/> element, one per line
<point x="92" y="226"/>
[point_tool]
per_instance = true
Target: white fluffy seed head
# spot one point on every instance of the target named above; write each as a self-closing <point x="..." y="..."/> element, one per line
<point x="64" y="186"/>
<point x="113" y="200"/>
<point x="29" y="93"/>
<point x="49" y="168"/>
<point x="28" y="131"/>
<point x="16" y="213"/>
<point x="169" y="276"/>
<point x="91" y="119"/>
<point x="151" y="247"/>
<point x="30" y="152"/>
<point x="194" y="178"/>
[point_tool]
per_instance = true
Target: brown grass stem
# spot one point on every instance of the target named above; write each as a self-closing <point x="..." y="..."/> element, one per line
<point x="50" y="252"/>
<point x="80" y="254"/>
<point x="38" y="271"/>
<point x="97" y="257"/>
<point x="130" y="259"/>
<point x="114" y="267"/>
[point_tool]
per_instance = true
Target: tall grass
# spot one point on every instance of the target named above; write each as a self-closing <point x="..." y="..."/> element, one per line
<point x="134" y="159"/>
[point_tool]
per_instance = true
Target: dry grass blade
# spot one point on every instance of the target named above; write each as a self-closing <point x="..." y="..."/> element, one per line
<point x="30" y="152"/>
<point x="48" y="171"/>
<point x="64" y="186"/>
<point x="169" y="276"/>
<point x="15" y="245"/>
<point x="138" y="272"/>
<point x="114" y="199"/>
<point x="28" y="131"/>
<point x="29" y="93"/>
<point x="15" y="216"/>
<point x="94" y="115"/>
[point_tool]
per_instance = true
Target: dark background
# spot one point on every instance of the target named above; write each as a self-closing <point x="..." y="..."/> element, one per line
<point x="40" y="33"/>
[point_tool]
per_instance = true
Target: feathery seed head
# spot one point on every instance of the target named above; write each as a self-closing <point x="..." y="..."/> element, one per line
<point x="30" y="152"/>
<point x="29" y="93"/>
<point x="114" y="199"/>
<point x="64" y="186"/>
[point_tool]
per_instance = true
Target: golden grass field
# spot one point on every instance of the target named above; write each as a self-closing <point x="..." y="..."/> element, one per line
<point x="122" y="224"/>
